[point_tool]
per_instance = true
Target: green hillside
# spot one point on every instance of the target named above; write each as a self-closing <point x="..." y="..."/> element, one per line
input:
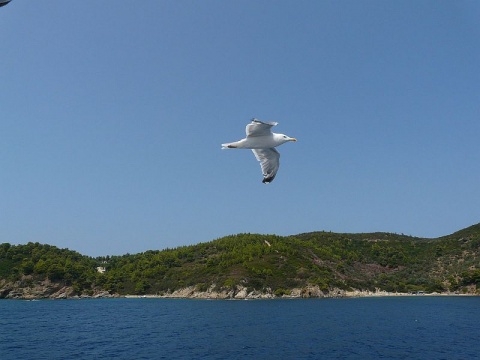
<point x="367" y="261"/>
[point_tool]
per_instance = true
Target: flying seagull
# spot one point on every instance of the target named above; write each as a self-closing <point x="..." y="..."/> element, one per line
<point x="4" y="2"/>
<point x="262" y="141"/>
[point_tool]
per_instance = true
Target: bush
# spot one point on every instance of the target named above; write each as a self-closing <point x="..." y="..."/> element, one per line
<point x="280" y="292"/>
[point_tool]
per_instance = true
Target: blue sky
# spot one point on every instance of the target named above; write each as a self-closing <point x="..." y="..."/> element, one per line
<point x="112" y="114"/>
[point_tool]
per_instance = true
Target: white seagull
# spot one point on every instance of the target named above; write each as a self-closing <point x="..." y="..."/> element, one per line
<point x="262" y="141"/>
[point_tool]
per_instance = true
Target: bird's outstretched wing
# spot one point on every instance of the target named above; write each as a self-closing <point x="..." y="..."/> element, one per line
<point x="269" y="161"/>
<point x="259" y="128"/>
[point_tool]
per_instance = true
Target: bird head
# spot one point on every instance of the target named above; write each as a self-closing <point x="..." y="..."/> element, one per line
<point x="286" y="138"/>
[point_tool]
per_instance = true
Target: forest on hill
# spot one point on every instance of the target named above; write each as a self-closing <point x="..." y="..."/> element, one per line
<point x="367" y="261"/>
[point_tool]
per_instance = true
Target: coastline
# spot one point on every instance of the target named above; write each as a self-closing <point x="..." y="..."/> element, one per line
<point x="56" y="291"/>
<point x="298" y="293"/>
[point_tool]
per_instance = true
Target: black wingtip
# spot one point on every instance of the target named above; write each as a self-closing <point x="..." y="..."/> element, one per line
<point x="268" y="179"/>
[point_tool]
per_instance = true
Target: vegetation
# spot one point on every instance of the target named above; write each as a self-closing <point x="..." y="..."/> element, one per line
<point x="384" y="261"/>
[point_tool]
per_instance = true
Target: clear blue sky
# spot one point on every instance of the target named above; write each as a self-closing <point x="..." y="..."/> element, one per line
<point x="112" y="114"/>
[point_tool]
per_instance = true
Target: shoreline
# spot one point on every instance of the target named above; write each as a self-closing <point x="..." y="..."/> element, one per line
<point x="49" y="291"/>
<point x="160" y="297"/>
<point x="297" y="293"/>
<point x="348" y="295"/>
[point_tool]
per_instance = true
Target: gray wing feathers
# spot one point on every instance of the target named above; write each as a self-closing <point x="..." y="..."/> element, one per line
<point x="269" y="162"/>
<point x="259" y="128"/>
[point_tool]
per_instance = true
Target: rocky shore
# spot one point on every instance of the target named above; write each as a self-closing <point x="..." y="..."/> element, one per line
<point x="25" y="290"/>
<point x="241" y="293"/>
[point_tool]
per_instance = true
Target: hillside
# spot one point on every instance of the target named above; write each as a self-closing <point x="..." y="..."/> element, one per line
<point x="252" y="263"/>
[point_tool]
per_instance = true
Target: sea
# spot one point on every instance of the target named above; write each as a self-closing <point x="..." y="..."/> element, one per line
<point x="416" y="327"/>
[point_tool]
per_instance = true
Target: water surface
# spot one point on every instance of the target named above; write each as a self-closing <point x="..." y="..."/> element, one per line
<point x="378" y="328"/>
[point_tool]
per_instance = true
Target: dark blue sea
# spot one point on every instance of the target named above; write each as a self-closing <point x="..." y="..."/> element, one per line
<point x="421" y="327"/>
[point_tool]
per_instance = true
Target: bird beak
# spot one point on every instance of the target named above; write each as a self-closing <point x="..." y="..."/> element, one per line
<point x="293" y="139"/>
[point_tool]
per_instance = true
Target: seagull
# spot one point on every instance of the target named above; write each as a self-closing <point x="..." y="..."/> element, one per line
<point x="262" y="141"/>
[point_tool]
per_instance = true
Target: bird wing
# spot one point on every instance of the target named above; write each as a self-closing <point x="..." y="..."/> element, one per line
<point x="269" y="162"/>
<point x="259" y="128"/>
